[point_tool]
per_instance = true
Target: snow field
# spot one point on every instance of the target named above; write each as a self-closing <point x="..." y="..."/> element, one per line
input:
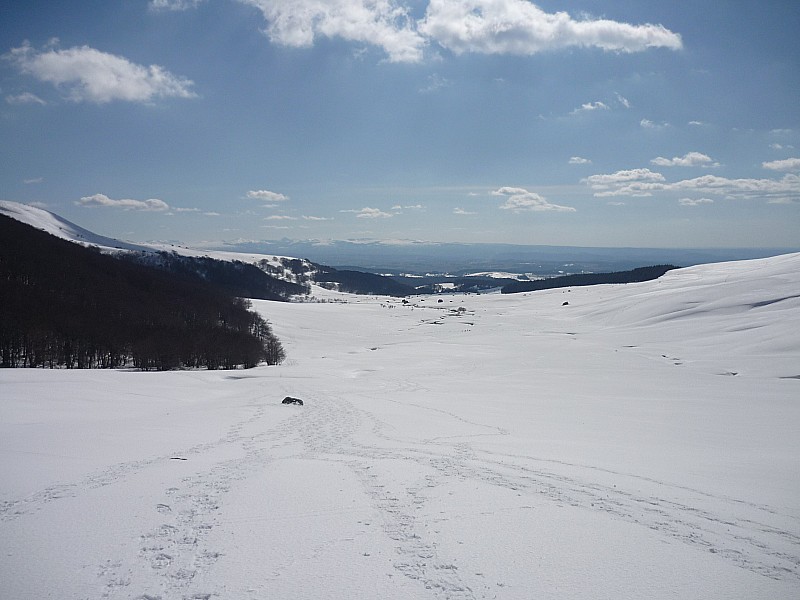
<point x="640" y="441"/>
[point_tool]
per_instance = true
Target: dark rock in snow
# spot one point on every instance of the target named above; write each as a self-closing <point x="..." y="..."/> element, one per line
<point x="290" y="400"/>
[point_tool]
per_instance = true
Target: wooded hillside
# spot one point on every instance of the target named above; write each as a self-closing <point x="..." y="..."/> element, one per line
<point x="65" y="305"/>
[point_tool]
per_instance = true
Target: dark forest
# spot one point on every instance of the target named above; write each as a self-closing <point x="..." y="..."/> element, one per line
<point x="65" y="305"/>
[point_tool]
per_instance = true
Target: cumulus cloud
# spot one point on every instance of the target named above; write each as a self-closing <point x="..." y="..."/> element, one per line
<point x="787" y="187"/>
<point x="266" y="196"/>
<point x="690" y="159"/>
<point x="787" y="164"/>
<point x="89" y="75"/>
<point x="643" y="182"/>
<point x="521" y="200"/>
<point x="460" y="26"/>
<point x="522" y="28"/>
<point x="623" y="177"/>
<point x="280" y="218"/>
<point x="577" y="160"/>
<point x="589" y="107"/>
<point x="623" y="100"/>
<point x="694" y="201"/>
<point x="648" y="124"/>
<point x="631" y="182"/>
<point x="25" y="98"/>
<point x="461" y="211"/>
<point x="382" y="23"/>
<point x="369" y="213"/>
<point x="152" y="204"/>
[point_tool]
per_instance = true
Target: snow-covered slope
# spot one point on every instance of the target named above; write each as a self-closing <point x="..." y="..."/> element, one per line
<point x="60" y="227"/>
<point x="640" y="441"/>
<point x="277" y="266"/>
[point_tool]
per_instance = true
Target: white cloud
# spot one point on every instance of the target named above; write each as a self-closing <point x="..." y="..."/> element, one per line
<point x="382" y="23"/>
<point x="521" y="200"/>
<point x="589" y="107"/>
<point x="787" y="164"/>
<point x="461" y="211"/>
<point x="697" y="123"/>
<point x="34" y="180"/>
<point x="280" y="218"/>
<point x="690" y="159"/>
<point x="643" y="182"/>
<point x="577" y="160"/>
<point x="369" y="213"/>
<point x="313" y="218"/>
<point x="89" y="75"/>
<point x="266" y="196"/>
<point x="787" y="187"/>
<point x="522" y="28"/>
<point x="631" y="182"/>
<point x="173" y="5"/>
<point x="25" y="98"/>
<point x="152" y="204"/>
<point x="695" y="201"/>
<point x="648" y="124"/>
<point x="212" y="214"/>
<point x="623" y="100"/>
<point x="482" y="26"/>
<point x="623" y="177"/>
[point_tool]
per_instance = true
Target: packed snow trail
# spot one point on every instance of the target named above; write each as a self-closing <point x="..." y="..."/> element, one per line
<point x="176" y="557"/>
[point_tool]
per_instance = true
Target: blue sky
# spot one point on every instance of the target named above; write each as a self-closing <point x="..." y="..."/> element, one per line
<point x="624" y="123"/>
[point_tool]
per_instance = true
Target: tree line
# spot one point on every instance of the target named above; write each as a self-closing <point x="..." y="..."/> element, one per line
<point x="236" y="278"/>
<point x="65" y="305"/>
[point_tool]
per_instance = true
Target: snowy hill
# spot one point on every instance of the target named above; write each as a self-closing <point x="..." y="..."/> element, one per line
<point x="60" y="227"/>
<point x="287" y="269"/>
<point x="638" y="442"/>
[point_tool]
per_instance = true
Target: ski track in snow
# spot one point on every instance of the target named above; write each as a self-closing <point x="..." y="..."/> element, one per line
<point x="177" y="551"/>
<point x="756" y="545"/>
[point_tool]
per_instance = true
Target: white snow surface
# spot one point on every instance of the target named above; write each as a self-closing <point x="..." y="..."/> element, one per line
<point x="640" y="441"/>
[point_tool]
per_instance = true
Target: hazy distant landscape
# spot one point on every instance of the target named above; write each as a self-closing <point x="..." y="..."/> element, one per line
<point x="420" y="258"/>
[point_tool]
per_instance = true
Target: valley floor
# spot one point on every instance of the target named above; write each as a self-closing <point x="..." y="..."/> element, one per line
<point x="635" y="441"/>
